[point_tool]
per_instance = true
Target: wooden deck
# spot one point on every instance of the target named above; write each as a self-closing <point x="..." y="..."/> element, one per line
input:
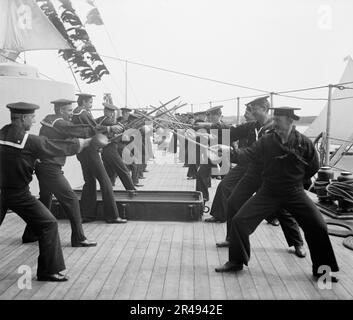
<point x="167" y="260"/>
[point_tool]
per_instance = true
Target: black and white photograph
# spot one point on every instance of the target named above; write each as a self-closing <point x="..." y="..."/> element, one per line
<point x="174" y="155"/>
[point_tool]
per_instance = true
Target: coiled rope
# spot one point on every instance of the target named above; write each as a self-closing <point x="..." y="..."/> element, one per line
<point x="341" y="190"/>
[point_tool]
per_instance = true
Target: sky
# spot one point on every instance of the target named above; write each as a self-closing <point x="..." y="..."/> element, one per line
<point x="272" y="45"/>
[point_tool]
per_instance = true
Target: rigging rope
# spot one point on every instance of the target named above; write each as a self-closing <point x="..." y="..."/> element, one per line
<point x="186" y="74"/>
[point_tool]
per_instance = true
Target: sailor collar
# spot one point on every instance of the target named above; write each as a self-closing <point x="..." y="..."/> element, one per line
<point x="16" y="137"/>
<point x="78" y="112"/>
<point x="50" y="120"/>
<point x="265" y="127"/>
<point x="102" y="120"/>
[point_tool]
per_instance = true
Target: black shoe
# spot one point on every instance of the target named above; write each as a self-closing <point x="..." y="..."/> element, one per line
<point x="212" y="219"/>
<point x="142" y="177"/>
<point x="117" y="220"/>
<point x="138" y="185"/>
<point x="229" y="267"/>
<point x="56" y="277"/>
<point x="84" y="243"/>
<point x="274" y="222"/>
<point x="224" y="244"/>
<point x="87" y="220"/>
<point x="300" y="251"/>
<point x="145" y="171"/>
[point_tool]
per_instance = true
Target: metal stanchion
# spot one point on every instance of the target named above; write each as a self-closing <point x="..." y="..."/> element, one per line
<point x="328" y="126"/>
<point x="238" y="111"/>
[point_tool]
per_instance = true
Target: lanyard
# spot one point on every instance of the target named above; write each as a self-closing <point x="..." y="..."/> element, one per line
<point x="257" y="132"/>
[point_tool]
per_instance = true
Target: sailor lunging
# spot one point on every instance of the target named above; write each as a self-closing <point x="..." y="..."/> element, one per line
<point x="19" y="152"/>
<point x="289" y="157"/>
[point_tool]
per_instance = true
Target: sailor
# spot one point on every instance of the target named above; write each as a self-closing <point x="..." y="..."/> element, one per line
<point x="19" y="151"/>
<point x="251" y="181"/>
<point x="185" y="119"/>
<point x="145" y="149"/>
<point x="203" y="175"/>
<point x="199" y="117"/>
<point x="51" y="177"/>
<point x="288" y="157"/>
<point x="148" y="134"/>
<point x="93" y="168"/>
<point x="135" y="167"/>
<point x="125" y="113"/>
<point x="133" y="147"/>
<point x="173" y="144"/>
<point x="112" y="160"/>
<point x="245" y="135"/>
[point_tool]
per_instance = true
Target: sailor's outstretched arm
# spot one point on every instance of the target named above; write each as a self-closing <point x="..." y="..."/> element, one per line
<point x="70" y="130"/>
<point x="253" y="153"/>
<point x="42" y="147"/>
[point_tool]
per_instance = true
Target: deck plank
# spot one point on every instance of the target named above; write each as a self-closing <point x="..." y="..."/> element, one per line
<point x="117" y="245"/>
<point x="77" y="269"/>
<point x="117" y="273"/>
<point x="257" y="272"/>
<point x="338" y="289"/>
<point x="303" y="273"/>
<point x="130" y="275"/>
<point x="201" y="272"/>
<point x="171" y="283"/>
<point x="279" y="288"/>
<point x="139" y="291"/>
<point x="186" y="287"/>
<point x="156" y="285"/>
<point x="279" y="252"/>
<point x="89" y="272"/>
<point x="217" y="287"/>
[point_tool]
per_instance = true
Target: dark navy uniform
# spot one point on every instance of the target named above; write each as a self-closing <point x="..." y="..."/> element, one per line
<point x="135" y="147"/>
<point x="93" y="169"/>
<point x="113" y="161"/>
<point x="195" y="161"/>
<point x="285" y="168"/>
<point x="203" y="175"/>
<point x="173" y="145"/>
<point x="146" y="148"/>
<point x="18" y="153"/>
<point x="246" y="133"/>
<point x="248" y="184"/>
<point x="52" y="180"/>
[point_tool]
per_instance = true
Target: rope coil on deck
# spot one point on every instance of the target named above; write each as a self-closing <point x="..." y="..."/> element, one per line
<point x="341" y="190"/>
